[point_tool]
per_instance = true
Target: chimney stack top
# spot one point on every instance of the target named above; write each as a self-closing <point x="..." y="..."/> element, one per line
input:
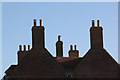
<point x="59" y="38"/>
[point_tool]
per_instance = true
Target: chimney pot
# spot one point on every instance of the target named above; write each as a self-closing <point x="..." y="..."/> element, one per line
<point x="41" y="22"/>
<point x="59" y="38"/>
<point x="34" y="22"/>
<point x="98" y="23"/>
<point x="24" y="47"/>
<point x="93" y="23"/>
<point x="28" y="47"/>
<point x="71" y="47"/>
<point x="75" y="47"/>
<point x="20" y="47"/>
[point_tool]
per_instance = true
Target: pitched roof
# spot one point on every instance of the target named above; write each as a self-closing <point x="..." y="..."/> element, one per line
<point x="12" y="67"/>
<point x="97" y="62"/>
<point x="63" y="59"/>
<point x="68" y="62"/>
<point x="39" y="64"/>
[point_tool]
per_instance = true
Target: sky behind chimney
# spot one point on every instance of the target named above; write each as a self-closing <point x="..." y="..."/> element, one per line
<point x="70" y="20"/>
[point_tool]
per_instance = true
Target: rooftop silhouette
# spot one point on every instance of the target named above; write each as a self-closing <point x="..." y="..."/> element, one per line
<point x="37" y="62"/>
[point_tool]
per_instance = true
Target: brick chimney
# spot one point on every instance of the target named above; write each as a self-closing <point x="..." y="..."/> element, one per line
<point x="96" y="36"/>
<point x="73" y="53"/>
<point x="38" y="41"/>
<point x="59" y="48"/>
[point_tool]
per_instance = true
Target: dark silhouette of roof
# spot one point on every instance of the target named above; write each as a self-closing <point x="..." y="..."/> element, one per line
<point x="97" y="64"/>
<point x="70" y="64"/>
<point x="37" y="62"/>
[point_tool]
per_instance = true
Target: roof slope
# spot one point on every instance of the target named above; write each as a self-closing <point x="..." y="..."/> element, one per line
<point x="70" y="64"/>
<point x="64" y="59"/>
<point x="38" y="64"/>
<point x="96" y="64"/>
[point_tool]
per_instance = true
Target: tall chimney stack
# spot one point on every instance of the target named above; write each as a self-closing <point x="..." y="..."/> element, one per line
<point x="59" y="48"/>
<point x="96" y="36"/>
<point x="38" y="41"/>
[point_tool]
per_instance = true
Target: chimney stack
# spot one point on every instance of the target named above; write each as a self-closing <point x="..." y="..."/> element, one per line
<point x="73" y="53"/>
<point x="96" y="36"/>
<point x="59" y="48"/>
<point x="38" y="39"/>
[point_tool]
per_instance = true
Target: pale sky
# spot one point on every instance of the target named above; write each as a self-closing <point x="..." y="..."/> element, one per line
<point x="70" y="20"/>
